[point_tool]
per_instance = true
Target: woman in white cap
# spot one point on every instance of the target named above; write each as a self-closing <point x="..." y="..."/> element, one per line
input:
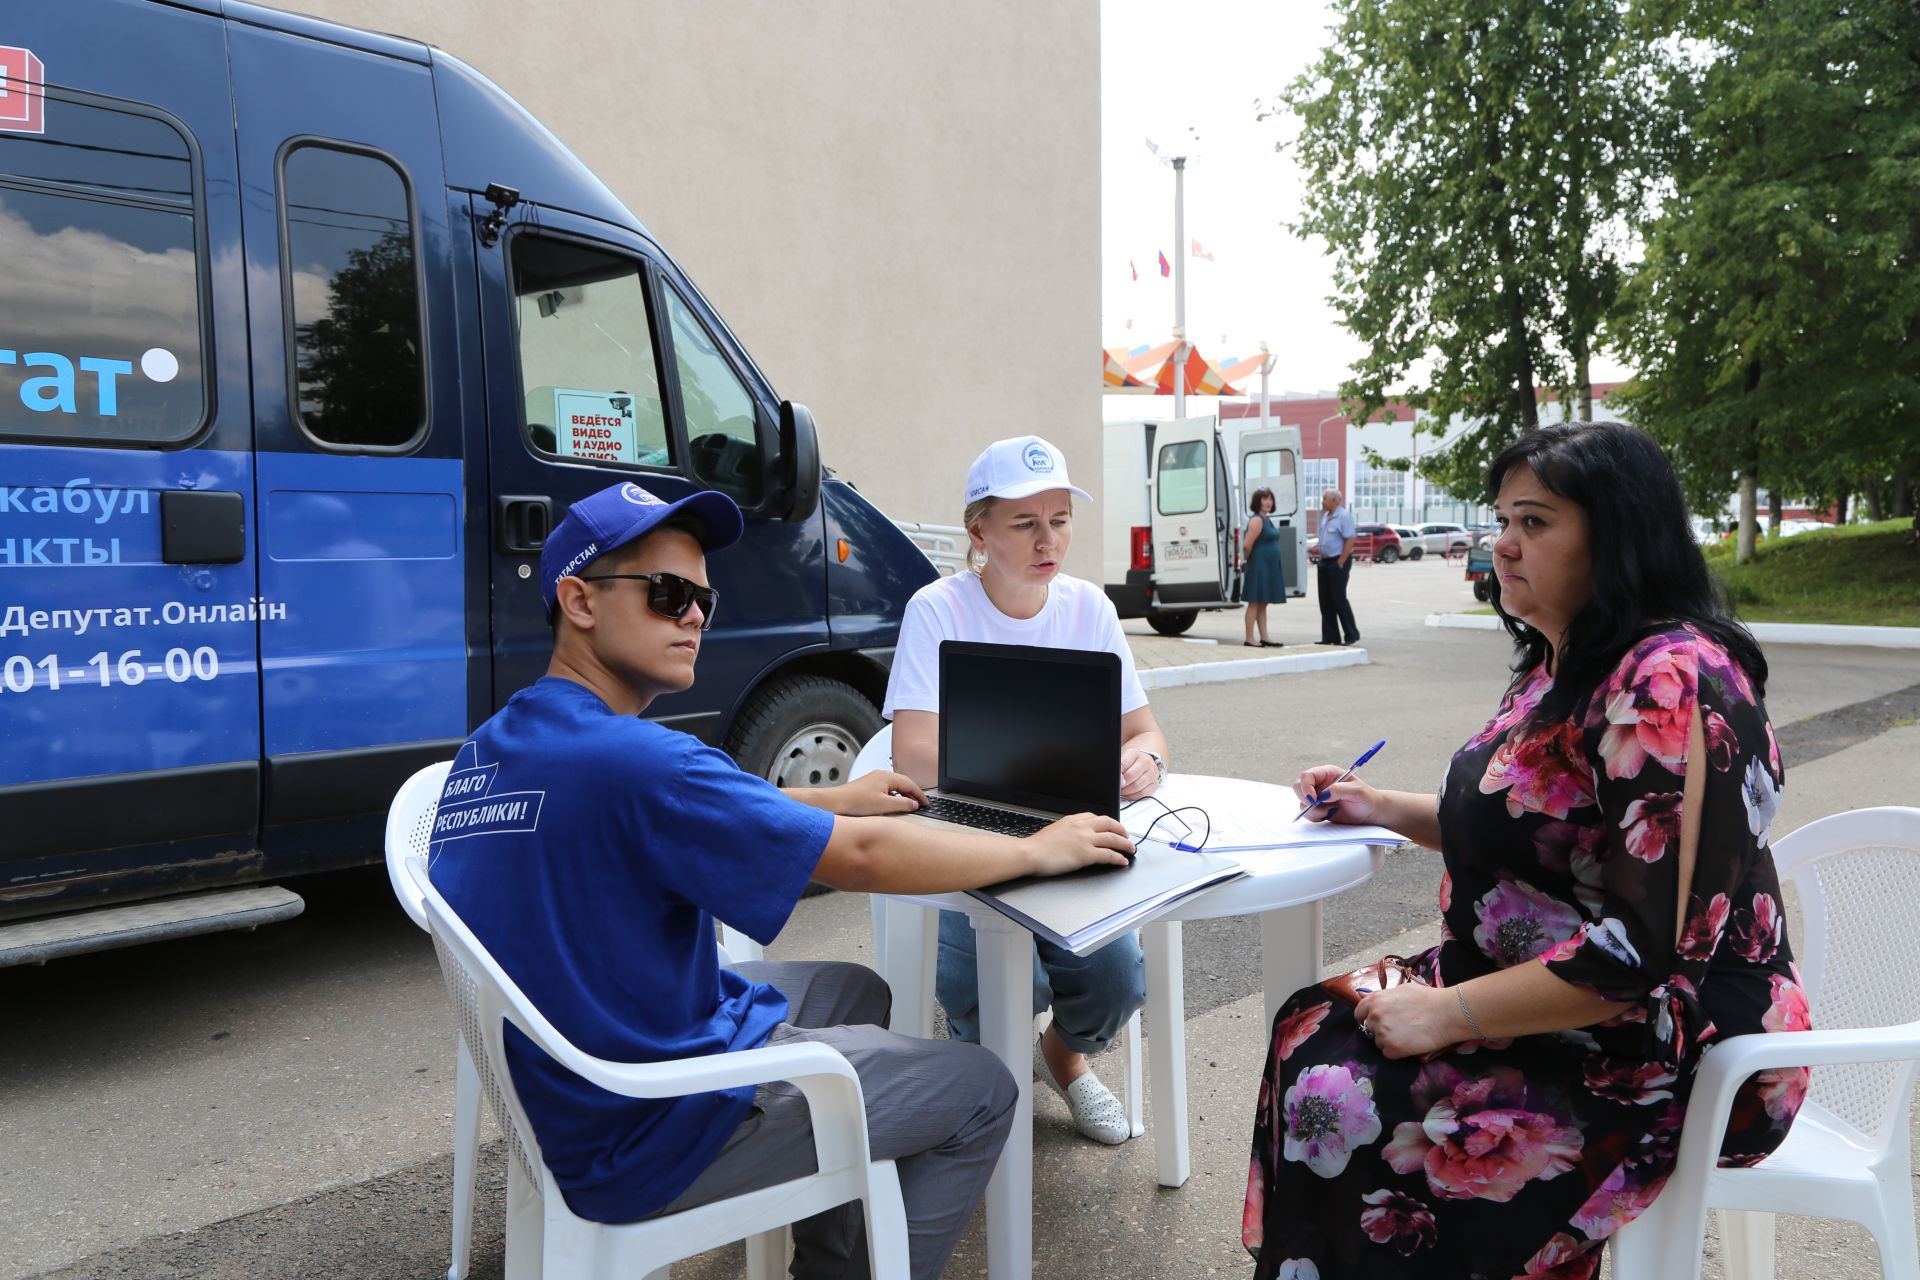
<point x="1019" y="520"/>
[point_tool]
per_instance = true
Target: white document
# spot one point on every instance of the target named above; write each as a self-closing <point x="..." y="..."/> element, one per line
<point x="1087" y="909"/>
<point x="1229" y="832"/>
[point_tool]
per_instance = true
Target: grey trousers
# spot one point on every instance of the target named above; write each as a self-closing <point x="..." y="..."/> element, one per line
<point x="938" y="1108"/>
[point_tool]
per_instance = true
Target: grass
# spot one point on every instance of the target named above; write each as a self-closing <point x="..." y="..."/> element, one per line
<point x="1863" y="575"/>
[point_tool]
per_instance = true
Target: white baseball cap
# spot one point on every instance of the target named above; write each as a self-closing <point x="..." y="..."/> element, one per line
<point x="1019" y="468"/>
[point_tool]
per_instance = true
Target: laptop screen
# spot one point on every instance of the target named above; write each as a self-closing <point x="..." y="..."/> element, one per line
<point x="1031" y="726"/>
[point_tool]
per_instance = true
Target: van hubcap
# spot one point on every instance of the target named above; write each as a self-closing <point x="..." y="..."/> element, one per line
<point x="820" y="755"/>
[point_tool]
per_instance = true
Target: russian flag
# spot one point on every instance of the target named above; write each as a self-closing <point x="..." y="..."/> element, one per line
<point x="1165" y="270"/>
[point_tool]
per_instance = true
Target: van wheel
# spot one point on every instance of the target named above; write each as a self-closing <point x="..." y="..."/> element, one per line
<point x="802" y="731"/>
<point x="1172" y="622"/>
<point x="1482" y="592"/>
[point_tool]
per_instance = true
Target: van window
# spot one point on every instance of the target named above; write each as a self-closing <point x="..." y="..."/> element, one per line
<point x="353" y="297"/>
<point x="101" y="339"/>
<point x="1181" y="478"/>
<point x="587" y="366"/>
<point x="1273" y="469"/>
<point x="722" y="443"/>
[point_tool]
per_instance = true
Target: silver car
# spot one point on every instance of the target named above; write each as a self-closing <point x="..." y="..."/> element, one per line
<point x="1443" y="539"/>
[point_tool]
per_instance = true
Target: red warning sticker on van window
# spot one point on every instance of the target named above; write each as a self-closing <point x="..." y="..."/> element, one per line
<point x="22" y="105"/>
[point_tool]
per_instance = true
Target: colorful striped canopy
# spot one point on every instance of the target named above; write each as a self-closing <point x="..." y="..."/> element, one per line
<point x="1202" y="378"/>
<point x="1119" y="379"/>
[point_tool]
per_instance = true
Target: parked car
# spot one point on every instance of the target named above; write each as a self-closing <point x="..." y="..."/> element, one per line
<point x="1377" y="542"/>
<point x="1410" y="545"/>
<point x="1443" y="539"/>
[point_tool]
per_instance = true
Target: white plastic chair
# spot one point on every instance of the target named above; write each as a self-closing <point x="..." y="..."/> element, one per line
<point x="1858" y="875"/>
<point x="545" y="1239"/>
<point x="409" y="832"/>
<point x="907" y="963"/>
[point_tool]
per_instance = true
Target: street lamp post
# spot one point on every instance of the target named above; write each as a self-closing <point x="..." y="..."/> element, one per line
<point x="1179" y="164"/>
<point x="1179" y="287"/>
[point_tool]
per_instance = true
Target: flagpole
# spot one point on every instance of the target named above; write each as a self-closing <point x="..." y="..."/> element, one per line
<point x="1179" y="287"/>
<point x="1266" y="367"/>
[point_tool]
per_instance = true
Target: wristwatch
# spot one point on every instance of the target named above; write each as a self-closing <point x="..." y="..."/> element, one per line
<point x="1159" y="764"/>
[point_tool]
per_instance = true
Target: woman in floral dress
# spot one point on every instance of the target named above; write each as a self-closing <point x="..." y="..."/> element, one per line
<point x="1505" y="1114"/>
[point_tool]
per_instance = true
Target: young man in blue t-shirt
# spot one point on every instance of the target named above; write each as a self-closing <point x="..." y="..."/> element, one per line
<point x="591" y="851"/>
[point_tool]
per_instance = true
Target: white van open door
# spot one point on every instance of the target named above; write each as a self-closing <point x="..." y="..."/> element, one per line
<point x="1192" y="517"/>
<point x="1270" y="458"/>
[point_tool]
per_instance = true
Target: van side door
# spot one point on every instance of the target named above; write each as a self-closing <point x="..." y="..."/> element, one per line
<point x="1271" y="459"/>
<point x="129" y="691"/>
<point x="1192" y="530"/>
<point x="357" y="419"/>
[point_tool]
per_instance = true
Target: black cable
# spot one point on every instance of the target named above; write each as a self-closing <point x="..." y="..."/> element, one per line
<point x="1189" y="847"/>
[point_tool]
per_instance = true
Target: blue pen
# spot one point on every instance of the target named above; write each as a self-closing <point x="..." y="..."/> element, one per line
<point x="1365" y="756"/>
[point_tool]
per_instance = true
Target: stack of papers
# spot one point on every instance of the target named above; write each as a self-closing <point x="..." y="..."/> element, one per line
<point x="1087" y="909"/>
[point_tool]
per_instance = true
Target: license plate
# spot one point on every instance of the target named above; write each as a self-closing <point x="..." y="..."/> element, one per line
<point x="1187" y="550"/>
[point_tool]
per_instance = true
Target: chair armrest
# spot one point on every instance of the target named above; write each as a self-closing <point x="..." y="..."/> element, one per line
<point x="1729" y="1064"/>
<point x="831" y="1086"/>
<point x="709" y="1073"/>
<point x="1738" y="1057"/>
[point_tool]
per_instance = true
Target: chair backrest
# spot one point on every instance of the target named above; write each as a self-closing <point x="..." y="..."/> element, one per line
<point x="482" y="997"/>
<point x="877" y="754"/>
<point x="1858" y="875"/>
<point x="410" y="831"/>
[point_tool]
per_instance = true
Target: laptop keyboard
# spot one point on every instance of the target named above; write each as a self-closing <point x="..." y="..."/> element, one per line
<point x="982" y="817"/>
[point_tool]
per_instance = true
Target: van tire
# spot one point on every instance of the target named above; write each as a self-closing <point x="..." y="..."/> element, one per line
<point x="1172" y="622"/>
<point x="1482" y="592"/>
<point x="802" y="731"/>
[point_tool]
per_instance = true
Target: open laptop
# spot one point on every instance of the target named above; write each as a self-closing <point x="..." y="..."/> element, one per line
<point x="1027" y="735"/>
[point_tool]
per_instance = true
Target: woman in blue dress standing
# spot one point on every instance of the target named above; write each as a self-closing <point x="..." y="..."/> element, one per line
<point x="1265" y="581"/>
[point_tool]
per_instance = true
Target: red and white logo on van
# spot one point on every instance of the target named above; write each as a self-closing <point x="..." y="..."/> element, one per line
<point x="22" y="105"/>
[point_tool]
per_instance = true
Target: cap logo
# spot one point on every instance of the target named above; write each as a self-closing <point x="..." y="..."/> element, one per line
<point x="585" y="554"/>
<point x="639" y="497"/>
<point x="1038" y="459"/>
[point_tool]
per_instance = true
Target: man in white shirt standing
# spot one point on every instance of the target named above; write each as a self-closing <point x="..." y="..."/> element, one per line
<point x="1336" y="562"/>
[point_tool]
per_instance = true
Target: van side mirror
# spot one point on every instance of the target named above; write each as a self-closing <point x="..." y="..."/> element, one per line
<point x="799" y="462"/>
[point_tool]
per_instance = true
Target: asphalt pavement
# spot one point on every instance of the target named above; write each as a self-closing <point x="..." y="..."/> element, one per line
<point x="278" y="1104"/>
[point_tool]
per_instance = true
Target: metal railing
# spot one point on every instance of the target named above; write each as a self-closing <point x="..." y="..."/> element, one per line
<point x="944" y="544"/>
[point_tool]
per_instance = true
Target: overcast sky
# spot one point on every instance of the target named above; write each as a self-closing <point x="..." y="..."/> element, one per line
<point x="1201" y="68"/>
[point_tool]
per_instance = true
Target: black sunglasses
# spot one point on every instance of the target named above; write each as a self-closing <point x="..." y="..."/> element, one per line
<point x="670" y="595"/>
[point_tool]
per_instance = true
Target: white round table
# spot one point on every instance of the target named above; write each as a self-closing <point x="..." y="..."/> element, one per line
<point x="1283" y="886"/>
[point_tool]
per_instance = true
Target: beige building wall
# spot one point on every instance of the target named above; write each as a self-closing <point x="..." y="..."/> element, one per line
<point x="894" y="203"/>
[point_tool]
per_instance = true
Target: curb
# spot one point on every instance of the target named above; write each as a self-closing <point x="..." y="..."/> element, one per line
<point x="1765" y="632"/>
<point x="1250" y="668"/>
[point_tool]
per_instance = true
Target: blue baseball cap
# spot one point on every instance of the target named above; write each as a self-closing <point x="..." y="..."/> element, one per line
<point x="615" y="516"/>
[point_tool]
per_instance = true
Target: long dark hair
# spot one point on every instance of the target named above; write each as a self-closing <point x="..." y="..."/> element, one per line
<point x="1647" y="571"/>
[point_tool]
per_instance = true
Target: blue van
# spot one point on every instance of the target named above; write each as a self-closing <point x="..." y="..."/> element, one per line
<point x="307" y="337"/>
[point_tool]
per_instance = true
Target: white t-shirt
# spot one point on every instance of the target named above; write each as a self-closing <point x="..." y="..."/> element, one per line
<point x="1077" y="615"/>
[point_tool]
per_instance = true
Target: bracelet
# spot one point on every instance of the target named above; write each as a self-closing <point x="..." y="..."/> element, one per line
<point x="1467" y="1013"/>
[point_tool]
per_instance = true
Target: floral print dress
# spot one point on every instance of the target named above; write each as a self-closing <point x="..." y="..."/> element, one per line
<point x="1518" y="1158"/>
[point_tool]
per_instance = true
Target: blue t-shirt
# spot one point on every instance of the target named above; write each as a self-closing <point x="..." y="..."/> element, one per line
<point x="590" y="853"/>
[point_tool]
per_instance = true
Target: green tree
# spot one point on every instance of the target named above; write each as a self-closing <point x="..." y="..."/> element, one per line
<point x="1774" y="317"/>
<point x="1471" y="165"/>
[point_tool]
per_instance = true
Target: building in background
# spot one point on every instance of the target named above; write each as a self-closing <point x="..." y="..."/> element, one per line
<point x="878" y="198"/>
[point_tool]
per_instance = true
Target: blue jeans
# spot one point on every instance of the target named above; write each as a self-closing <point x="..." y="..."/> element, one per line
<point x="1092" y="996"/>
